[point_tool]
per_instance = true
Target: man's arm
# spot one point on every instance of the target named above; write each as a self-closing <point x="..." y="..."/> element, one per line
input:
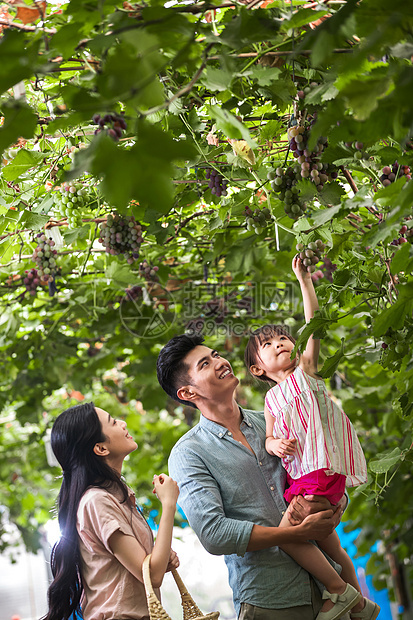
<point x="200" y="499"/>
<point x="314" y="527"/>
<point x="300" y="507"/>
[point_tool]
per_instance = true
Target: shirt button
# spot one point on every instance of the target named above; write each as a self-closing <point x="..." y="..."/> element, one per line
<point x="260" y="463"/>
<point x="229" y="433"/>
<point x="219" y="434"/>
<point x="272" y="488"/>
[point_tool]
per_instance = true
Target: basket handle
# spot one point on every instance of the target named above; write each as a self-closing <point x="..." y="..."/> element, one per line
<point x="146" y="573"/>
<point x="186" y="598"/>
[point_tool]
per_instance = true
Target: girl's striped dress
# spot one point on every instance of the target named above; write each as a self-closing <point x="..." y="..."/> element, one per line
<point x="326" y="438"/>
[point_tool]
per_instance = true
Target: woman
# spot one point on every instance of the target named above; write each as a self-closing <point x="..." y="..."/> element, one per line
<point x="97" y="563"/>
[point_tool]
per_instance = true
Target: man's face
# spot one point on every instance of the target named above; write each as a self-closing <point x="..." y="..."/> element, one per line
<point x="211" y="375"/>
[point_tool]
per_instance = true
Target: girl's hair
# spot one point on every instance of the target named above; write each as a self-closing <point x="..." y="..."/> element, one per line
<point x="74" y="435"/>
<point x="257" y="337"/>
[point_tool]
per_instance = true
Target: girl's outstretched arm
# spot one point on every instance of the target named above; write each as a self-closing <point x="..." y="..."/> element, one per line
<point x="309" y="357"/>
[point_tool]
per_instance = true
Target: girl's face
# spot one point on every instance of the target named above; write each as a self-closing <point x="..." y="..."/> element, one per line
<point x="274" y="357"/>
<point x="119" y="443"/>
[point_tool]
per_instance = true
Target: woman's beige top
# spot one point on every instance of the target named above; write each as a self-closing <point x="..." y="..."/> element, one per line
<point x="111" y="592"/>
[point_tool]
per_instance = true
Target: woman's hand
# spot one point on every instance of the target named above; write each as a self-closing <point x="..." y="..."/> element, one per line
<point x="173" y="561"/>
<point x="166" y="489"/>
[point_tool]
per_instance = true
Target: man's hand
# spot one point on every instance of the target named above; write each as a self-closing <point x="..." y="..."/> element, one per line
<point x="301" y="507"/>
<point x="320" y="525"/>
<point x="173" y="561"/>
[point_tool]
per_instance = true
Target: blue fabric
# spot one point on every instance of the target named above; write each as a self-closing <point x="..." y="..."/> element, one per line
<point x="224" y="491"/>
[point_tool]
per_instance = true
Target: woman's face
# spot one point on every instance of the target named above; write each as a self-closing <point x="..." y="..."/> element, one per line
<point x="118" y="441"/>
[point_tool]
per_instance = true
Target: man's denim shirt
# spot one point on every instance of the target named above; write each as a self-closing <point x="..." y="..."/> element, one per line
<point x="224" y="491"/>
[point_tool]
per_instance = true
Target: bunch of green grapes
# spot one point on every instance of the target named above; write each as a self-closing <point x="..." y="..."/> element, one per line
<point x="257" y="219"/>
<point x="70" y="201"/>
<point x="284" y="183"/>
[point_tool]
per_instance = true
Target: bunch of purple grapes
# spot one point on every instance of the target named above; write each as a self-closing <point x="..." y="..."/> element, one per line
<point x="113" y="124"/>
<point x="284" y="182"/>
<point x="257" y="219"/>
<point x="216" y="182"/>
<point x="394" y="172"/>
<point x="44" y="257"/>
<point x="311" y="254"/>
<point x="148" y="271"/>
<point x="328" y="268"/>
<point x="121" y="235"/>
<point x="405" y="235"/>
<point x="310" y="165"/>
<point x="134" y="292"/>
<point x="31" y="281"/>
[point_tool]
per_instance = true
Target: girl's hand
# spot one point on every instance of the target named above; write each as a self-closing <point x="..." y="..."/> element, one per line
<point x="166" y="489"/>
<point x="300" y="271"/>
<point x="173" y="561"/>
<point x="284" y="447"/>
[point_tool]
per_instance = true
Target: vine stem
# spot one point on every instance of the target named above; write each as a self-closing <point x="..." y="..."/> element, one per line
<point x="277" y="239"/>
<point x="185" y="222"/>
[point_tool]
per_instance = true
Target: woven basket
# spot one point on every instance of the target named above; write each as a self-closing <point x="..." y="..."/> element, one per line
<point x="157" y="612"/>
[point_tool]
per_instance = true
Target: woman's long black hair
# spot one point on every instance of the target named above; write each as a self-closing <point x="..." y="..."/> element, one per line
<point x="74" y="435"/>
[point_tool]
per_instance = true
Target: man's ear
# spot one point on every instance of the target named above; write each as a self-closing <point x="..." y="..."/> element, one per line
<point x="256" y="371"/>
<point x="186" y="393"/>
<point x="100" y="449"/>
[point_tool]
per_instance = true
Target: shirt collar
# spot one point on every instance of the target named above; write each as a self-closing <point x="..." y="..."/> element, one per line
<point x="221" y="431"/>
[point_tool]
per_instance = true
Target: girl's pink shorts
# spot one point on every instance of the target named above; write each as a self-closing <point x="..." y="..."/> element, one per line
<point x="317" y="483"/>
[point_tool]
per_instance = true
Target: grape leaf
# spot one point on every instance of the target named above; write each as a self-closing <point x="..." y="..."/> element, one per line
<point x="32" y="220"/>
<point x="385" y="461"/>
<point x="331" y="364"/>
<point x="23" y="161"/>
<point x="216" y="79"/>
<point x="19" y="121"/>
<point x="331" y="194"/>
<point x="230" y="125"/>
<point x="317" y="326"/>
<point x="394" y="316"/>
<point x="400" y="261"/>
<point x="322" y="216"/>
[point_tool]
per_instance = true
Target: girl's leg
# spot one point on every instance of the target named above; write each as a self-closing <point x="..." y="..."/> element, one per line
<point x="332" y="546"/>
<point x="313" y="561"/>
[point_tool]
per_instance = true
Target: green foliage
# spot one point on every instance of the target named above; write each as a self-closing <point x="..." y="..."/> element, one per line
<point x="177" y="86"/>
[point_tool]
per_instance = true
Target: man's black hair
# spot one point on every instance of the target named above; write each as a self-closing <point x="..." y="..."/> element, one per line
<point x="171" y="369"/>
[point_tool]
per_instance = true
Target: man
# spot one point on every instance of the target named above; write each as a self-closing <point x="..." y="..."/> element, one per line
<point x="231" y="489"/>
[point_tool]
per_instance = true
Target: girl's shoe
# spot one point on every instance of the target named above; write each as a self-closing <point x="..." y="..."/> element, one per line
<point x="370" y="611"/>
<point x="342" y="603"/>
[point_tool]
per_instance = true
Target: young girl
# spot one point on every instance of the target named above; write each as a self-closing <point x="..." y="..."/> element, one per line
<point x="318" y="446"/>
<point x="97" y="563"/>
